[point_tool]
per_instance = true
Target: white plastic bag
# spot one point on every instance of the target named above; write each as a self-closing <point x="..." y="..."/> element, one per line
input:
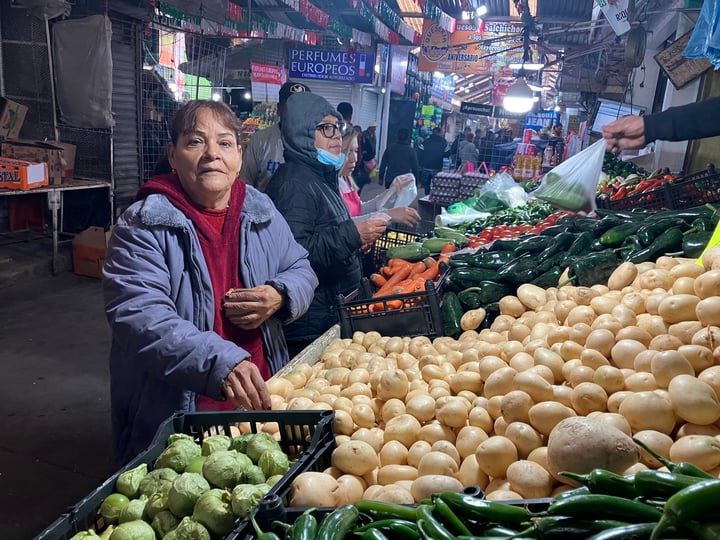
<point x="506" y="189"/>
<point x="572" y="185"/>
<point x="405" y="189"/>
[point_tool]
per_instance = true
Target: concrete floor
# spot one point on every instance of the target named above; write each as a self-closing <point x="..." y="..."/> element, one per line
<point x="54" y="388"/>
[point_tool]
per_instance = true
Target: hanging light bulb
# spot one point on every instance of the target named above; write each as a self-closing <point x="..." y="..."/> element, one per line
<point x="519" y="97"/>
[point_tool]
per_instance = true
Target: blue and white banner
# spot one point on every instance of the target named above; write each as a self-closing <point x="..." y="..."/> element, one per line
<point x="328" y="65"/>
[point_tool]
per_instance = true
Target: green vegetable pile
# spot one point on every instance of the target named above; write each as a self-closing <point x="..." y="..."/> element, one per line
<point x="650" y="504"/>
<point x="194" y="491"/>
<point x="612" y="166"/>
<point x="533" y="212"/>
<point x="591" y="248"/>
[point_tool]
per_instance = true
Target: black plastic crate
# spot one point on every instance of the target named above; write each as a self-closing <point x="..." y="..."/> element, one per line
<point x="418" y="315"/>
<point x="395" y="235"/>
<point x="305" y="435"/>
<point x="696" y="189"/>
<point x="658" y="199"/>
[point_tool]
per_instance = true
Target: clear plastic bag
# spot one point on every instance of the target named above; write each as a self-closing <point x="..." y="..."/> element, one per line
<point x="405" y="189"/>
<point x="506" y="189"/>
<point x="572" y="185"/>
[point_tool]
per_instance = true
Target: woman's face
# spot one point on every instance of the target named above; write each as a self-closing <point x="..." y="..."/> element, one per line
<point x="351" y="158"/>
<point x="207" y="161"/>
<point x="331" y="144"/>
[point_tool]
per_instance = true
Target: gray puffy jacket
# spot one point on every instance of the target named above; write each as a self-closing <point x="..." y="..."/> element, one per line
<point x="160" y="305"/>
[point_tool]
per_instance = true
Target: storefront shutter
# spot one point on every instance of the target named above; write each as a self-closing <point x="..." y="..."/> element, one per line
<point x="333" y="91"/>
<point x="126" y="55"/>
<point x="369" y="109"/>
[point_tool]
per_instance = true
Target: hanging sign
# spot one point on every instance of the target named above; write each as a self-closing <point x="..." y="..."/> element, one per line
<point x="443" y="88"/>
<point x="471" y="51"/>
<point x="616" y="12"/>
<point x="266" y="81"/>
<point x="331" y="65"/>
<point x="479" y="109"/>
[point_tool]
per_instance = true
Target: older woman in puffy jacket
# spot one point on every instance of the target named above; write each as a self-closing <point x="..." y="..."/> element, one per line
<point x="200" y="275"/>
<point x="305" y="190"/>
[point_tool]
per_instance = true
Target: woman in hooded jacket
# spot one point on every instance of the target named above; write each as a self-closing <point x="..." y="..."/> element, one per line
<point x="305" y="190"/>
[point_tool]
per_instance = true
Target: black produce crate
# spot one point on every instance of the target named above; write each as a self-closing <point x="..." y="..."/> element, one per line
<point x="395" y="235"/>
<point x="305" y="436"/>
<point x="658" y="199"/>
<point x="419" y="314"/>
<point x="696" y="189"/>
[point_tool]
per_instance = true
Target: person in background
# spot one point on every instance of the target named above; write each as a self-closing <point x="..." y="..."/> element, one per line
<point x="346" y="111"/>
<point x="504" y="136"/>
<point x="486" y="147"/>
<point x="200" y="275"/>
<point x="264" y="153"/>
<point x="467" y="151"/>
<point x="686" y="122"/>
<point x="557" y="130"/>
<point x="399" y="158"/>
<point x="432" y="157"/>
<point x="360" y="210"/>
<point x="456" y="144"/>
<point x="305" y="190"/>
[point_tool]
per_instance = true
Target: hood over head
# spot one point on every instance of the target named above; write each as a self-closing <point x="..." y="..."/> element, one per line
<point x="304" y="111"/>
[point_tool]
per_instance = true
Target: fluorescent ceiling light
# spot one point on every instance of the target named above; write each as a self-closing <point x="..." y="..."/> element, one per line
<point x="519" y="97"/>
<point x="527" y="67"/>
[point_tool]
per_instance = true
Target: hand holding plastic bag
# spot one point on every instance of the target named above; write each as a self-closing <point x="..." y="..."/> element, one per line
<point x="506" y="189"/>
<point x="405" y="189"/>
<point x="572" y="185"/>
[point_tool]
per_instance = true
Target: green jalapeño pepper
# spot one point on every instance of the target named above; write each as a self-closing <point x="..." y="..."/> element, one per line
<point x="482" y="510"/>
<point x="605" y="483"/>
<point x="305" y="527"/>
<point x="604" y="507"/>
<point x="660" y="484"/>
<point x="694" y="503"/>
<point x="338" y="523"/>
<point x="616" y="236"/>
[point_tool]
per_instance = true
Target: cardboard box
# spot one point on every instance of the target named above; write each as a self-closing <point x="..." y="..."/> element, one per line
<point x="22" y="175"/>
<point x="52" y="153"/>
<point x="12" y="116"/>
<point x="89" y="249"/>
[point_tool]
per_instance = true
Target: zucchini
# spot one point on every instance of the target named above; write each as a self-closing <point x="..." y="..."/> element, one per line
<point x="414" y="251"/>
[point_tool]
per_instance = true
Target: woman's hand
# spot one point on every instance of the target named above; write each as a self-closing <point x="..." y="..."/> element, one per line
<point x="626" y="132"/>
<point x="245" y="387"/>
<point x="249" y="308"/>
<point x="370" y="230"/>
<point x="405" y="215"/>
<point x="400" y="182"/>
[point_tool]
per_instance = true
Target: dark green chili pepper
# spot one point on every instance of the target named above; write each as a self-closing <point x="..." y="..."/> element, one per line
<point x="373" y="534"/>
<point x="694" y="503"/>
<point x="669" y="240"/>
<point x="432" y="527"/>
<point x="693" y="244"/>
<point x="338" y="523"/>
<point x="305" y="526"/>
<point x="636" y="531"/>
<point x="680" y="468"/>
<point x="651" y="483"/>
<point x="489" y="259"/>
<point x="650" y="231"/>
<point x="378" y="510"/>
<point x="604" y="507"/>
<point x="560" y="243"/>
<point x="705" y="531"/>
<point x="605" y="483"/>
<point x="594" y="268"/>
<point x="520" y="270"/>
<point x="395" y="528"/>
<point x="258" y="531"/>
<point x="617" y="235"/>
<point x="448" y="518"/>
<point x="498" y="530"/>
<point x="562" y="527"/>
<point x="467" y="507"/>
<point x="582" y="490"/>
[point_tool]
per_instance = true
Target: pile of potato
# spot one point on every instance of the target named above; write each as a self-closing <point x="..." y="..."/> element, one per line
<point x="637" y="356"/>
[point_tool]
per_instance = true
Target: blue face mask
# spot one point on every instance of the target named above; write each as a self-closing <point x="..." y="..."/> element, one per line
<point x="328" y="158"/>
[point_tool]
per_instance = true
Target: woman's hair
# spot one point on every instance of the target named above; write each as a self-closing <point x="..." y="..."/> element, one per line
<point x="185" y="119"/>
<point x="346" y="142"/>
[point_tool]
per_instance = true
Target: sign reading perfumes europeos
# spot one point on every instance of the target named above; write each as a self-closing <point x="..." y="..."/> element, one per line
<point x="331" y="65"/>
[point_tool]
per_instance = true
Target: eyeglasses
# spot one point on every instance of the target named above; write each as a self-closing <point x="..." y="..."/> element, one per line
<point x="329" y="130"/>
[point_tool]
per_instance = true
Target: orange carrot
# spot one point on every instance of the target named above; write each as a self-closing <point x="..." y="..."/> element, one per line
<point x="399" y="275"/>
<point x="417" y="267"/>
<point x="377" y="280"/>
<point x="450" y="247"/>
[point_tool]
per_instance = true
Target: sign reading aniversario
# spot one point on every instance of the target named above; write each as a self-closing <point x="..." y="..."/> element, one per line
<point x="331" y="65"/>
